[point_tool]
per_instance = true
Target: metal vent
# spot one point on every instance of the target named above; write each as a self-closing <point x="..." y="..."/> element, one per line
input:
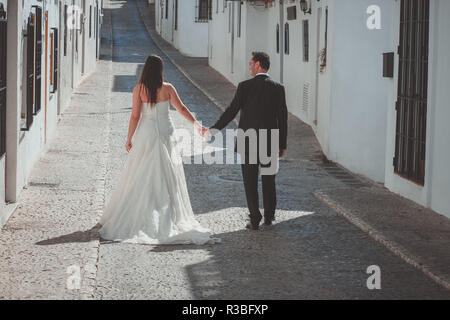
<point x="306" y="98"/>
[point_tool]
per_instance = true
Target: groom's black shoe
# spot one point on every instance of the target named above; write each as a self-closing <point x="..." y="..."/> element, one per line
<point x="269" y="221"/>
<point x="252" y="226"/>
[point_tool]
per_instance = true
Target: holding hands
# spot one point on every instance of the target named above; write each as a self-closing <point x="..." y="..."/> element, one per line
<point x="203" y="131"/>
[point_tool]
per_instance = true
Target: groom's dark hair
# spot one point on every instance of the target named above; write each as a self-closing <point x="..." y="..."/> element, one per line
<point x="263" y="59"/>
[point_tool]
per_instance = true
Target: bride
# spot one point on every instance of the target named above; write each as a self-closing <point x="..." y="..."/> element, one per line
<point x="150" y="204"/>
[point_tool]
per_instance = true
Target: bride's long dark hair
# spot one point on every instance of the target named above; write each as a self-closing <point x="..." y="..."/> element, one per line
<point x="152" y="76"/>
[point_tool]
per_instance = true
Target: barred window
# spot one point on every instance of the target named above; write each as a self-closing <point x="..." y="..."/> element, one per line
<point x="176" y="14"/>
<point x="28" y="106"/>
<point x="286" y="38"/>
<point x="54" y="60"/>
<point x="167" y="9"/>
<point x="305" y="40"/>
<point x="65" y="30"/>
<point x="203" y="9"/>
<point x="90" y="21"/>
<point x="239" y="19"/>
<point x="278" y="37"/>
<point x="38" y="60"/>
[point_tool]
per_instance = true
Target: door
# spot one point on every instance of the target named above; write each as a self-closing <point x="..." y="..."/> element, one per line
<point x="411" y="105"/>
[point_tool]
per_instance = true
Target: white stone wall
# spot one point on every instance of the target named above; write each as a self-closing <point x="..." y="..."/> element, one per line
<point x="345" y="104"/>
<point x="434" y="194"/>
<point x="24" y="148"/>
<point x="191" y="37"/>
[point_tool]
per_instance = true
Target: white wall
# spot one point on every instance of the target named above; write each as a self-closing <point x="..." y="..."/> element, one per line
<point x="394" y="182"/>
<point x="190" y="38"/>
<point x="434" y="194"/>
<point x="440" y="130"/>
<point x="24" y="148"/>
<point x="359" y="92"/>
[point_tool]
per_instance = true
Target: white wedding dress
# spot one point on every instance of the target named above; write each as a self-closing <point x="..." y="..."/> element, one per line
<point x="150" y="204"/>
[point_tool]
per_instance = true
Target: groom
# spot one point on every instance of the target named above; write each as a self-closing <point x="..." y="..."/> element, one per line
<point x="262" y="103"/>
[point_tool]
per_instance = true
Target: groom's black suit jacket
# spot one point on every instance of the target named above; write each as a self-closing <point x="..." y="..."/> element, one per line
<point x="262" y="103"/>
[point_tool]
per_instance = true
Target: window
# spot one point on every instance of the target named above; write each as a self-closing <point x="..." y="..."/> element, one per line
<point x="305" y="40"/>
<point x="65" y="30"/>
<point x="278" y="37"/>
<point x="167" y="9"/>
<point x="326" y="29"/>
<point x="411" y="106"/>
<point x="203" y="10"/>
<point x="90" y="21"/>
<point x="3" y="33"/>
<point x="239" y="19"/>
<point x="96" y="19"/>
<point x="176" y="14"/>
<point x="286" y="38"/>
<point x="38" y="59"/>
<point x="230" y="8"/>
<point x="54" y="60"/>
<point x="27" y="112"/>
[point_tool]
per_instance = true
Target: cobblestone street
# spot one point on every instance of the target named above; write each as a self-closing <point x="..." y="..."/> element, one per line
<point x="311" y="253"/>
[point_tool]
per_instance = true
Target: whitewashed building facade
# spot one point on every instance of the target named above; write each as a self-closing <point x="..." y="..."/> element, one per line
<point x="184" y="23"/>
<point x="340" y="63"/>
<point x="46" y="49"/>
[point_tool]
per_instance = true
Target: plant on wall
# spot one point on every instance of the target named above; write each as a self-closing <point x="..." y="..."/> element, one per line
<point x="323" y="59"/>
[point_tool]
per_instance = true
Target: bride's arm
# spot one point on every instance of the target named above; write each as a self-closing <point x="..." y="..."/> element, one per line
<point x="135" y="113"/>
<point x="181" y="108"/>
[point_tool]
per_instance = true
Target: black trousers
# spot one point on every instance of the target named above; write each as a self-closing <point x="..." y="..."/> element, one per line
<point x="250" y="173"/>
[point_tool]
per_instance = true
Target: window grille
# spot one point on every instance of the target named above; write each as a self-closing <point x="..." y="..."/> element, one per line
<point x="90" y="22"/>
<point x="286" y="38"/>
<point x="30" y="73"/>
<point x="65" y="30"/>
<point x="278" y="37"/>
<point x="306" y="40"/>
<point x="54" y="63"/>
<point x="411" y="106"/>
<point x="176" y="14"/>
<point x="38" y="60"/>
<point x="203" y="10"/>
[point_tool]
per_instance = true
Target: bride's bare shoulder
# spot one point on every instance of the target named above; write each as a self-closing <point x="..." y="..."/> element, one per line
<point x="167" y="85"/>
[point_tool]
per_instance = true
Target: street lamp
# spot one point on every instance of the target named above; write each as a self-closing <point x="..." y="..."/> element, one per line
<point x="305" y="7"/>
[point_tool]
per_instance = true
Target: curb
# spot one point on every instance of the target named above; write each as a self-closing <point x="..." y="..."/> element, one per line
<point x="88" y="281"/>
<point x="390" y="245"/>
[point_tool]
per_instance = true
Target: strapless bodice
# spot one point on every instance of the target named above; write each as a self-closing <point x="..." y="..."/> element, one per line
<point x="156" y="120"/>
<point x="160" y="111"/>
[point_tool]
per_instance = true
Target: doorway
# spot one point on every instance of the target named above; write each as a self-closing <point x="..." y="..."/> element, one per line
<point x="412" y="94"/>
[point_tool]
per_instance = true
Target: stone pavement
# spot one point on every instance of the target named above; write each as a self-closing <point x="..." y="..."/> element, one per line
<point x="417" y="234"/>
<point x="311" y="253"/>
